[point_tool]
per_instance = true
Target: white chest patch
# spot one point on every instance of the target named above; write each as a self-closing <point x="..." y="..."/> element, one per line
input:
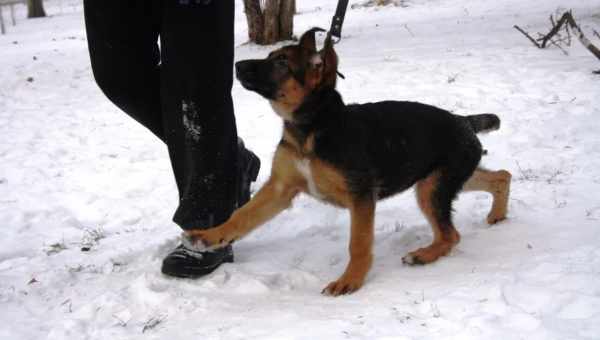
<point x="303" y="167"/>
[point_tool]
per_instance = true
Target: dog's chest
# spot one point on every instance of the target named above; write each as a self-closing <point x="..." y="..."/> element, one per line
<point x="323" y="181"/>
<point x="303" y="165"/>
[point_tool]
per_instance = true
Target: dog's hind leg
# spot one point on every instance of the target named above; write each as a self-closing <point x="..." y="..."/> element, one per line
<point x="436" y="192"/>
<point x="496" y="183"/>
<point x="362" y="215"/>
<point x="435" y="203"/>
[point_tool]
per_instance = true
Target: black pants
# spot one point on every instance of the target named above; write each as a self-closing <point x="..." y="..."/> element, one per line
<point x="181" y="91"/>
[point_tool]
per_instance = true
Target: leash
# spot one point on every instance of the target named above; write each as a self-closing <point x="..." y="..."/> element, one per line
<point x="338" y="20"/>
<point x="336" y="26"/>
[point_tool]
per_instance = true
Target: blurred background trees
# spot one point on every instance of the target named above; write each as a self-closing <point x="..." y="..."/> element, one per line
<point x="270" y="21"/>
<point x="35" y="9"/>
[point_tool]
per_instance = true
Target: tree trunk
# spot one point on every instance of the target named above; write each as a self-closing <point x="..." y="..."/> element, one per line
<point x="271" y="15"/>
<point x="35" y="9"/>
<point x="273" y="23"/>
<point x="286" y="19"/>
<point x="2" y="28"/>
<point x="256" y="22"/>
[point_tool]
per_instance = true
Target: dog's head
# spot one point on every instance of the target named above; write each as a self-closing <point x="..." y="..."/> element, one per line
<point x="289" y="74"/>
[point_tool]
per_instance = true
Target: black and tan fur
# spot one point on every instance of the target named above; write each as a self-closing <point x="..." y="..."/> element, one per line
<point x="354" y="155"/>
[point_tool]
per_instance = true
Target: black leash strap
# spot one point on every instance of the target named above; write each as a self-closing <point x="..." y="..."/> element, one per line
<point x="338" y="20"/>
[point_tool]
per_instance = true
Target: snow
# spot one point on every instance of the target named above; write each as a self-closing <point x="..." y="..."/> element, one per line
<point x="75" y="173"/>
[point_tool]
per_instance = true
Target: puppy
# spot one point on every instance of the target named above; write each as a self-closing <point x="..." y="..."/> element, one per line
<point x="355" y="155"/>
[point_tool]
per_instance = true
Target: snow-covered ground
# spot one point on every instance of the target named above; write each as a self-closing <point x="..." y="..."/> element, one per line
<point x="75" y="173"/>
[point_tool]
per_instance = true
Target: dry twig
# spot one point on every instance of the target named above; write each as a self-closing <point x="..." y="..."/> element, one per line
<point x="567" y="22"/>
<point x="528" y="36"/>
<point x="557" y="44"/>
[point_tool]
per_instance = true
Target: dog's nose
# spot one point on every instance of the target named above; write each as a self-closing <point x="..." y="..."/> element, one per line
<point x="244" y="68"/>
<point x="240" y="68"/>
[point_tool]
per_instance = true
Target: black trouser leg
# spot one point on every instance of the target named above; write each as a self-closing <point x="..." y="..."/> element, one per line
<point x="196" y="78"/>
<point x="123" y="43"/>
<point x="182" y="94"/>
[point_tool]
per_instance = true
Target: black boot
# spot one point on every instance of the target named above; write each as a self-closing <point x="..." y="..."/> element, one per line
<point x="187" y="263"/>
<point x="248" y="167"/>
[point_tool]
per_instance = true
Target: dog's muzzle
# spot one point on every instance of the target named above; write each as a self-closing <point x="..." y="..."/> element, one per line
<point x="246" y="70"/>
<point x="251" y="74"/>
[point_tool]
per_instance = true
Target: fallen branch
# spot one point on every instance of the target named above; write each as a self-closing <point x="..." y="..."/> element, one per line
<point x="554" y="29"/>
<point x="579" y="34"/>
<point x="567" y="22"/>
<point x="568" y="36"/>
<point x="528" y="36"/>
<point x="557" y="44"/>
<point x="598" y="35"/>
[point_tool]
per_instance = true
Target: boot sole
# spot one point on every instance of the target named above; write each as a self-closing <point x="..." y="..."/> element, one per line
<point x="196" y="272"/>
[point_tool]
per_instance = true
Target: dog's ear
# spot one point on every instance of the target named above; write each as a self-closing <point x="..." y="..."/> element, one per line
<point x="307" y="41"/>
<point x="330" y="63"/>
<point x="322" y="67"/>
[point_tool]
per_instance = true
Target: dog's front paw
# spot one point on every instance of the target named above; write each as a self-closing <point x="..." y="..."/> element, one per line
<point x="344" y="285"/>
<point x="496" y="216"/>
<point x="205" y="240"/>
<point x="419" y="257"/>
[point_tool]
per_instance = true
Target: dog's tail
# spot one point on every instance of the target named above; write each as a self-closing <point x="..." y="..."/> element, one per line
<point x="484" y="122"/>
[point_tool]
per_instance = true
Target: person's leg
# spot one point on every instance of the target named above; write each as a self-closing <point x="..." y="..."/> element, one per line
<point x="196" y="79"/>
<point x="212" y="169"/>
<point x="184" y="99"/>
<point x="123" y="43"/>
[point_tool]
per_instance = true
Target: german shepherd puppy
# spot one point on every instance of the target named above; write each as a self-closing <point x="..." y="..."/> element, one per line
<point x="354" y="155"/>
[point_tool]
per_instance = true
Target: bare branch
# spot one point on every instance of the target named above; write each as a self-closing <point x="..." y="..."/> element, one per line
<point x="528" y="36"/>
<point x="570" y="25"/>
<point x="408" y="29"/>
<point x="540" y="37"/>
<point x="579" y="34"/>
<point x="554" y="30"/>
<point x="557" y="44"/>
